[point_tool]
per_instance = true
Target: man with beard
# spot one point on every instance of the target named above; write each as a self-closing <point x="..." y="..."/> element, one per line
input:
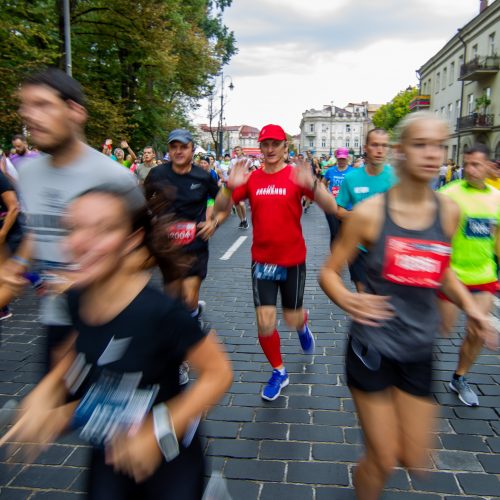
<point x="52" y="106"/>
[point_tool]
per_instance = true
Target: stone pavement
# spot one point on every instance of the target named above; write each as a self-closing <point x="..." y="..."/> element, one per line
<point x="301" y="446"/>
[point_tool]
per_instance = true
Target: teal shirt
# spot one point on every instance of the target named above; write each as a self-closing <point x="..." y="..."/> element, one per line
<point x="359" y="186"/>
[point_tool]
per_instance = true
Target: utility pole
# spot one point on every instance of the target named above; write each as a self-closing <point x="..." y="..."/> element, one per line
<point x="67" y="37"/>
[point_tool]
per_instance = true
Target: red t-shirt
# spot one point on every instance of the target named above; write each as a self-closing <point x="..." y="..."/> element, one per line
<point x="276" y="203"/>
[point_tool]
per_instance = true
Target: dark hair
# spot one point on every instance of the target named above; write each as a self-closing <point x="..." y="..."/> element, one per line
<point x="377" y="130"/>
<point x="66" y="86"/>
<point x="205" y="158"/>
<point x="478" y="148"/>
<point x="20" y="137"/>
<point x="150" y="216"/>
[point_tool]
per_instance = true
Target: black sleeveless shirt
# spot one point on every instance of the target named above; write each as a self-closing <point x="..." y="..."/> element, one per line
<point x="406" y="265"/>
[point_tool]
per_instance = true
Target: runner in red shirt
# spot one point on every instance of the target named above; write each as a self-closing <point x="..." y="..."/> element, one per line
<point x="275" y="192"/>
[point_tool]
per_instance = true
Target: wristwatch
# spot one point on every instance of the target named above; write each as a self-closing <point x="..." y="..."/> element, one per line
<point x="164" y="432"/>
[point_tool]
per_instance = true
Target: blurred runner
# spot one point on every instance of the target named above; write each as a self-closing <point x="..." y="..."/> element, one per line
<point x="278" y="251"/>
<point x="389" y="352"/>
<point x="241" y="210"/>
<point x="474" y="248"/>
<point x="131" y="341"/>
<point x="361" y="183"/>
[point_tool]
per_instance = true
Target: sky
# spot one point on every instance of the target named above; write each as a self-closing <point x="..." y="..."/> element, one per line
<point x="295" y="55"/>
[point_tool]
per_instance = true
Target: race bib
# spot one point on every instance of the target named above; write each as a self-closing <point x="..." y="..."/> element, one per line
<point x="479" y="228"/>
<point x="270" y="272"/>
<point x="112" y="405"/>
<point x="419" y="263"/>
<point x="335" y="190"/>
<point x="183" y="233"/>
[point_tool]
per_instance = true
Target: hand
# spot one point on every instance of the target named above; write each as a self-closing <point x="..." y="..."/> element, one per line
<point x="124" y="145"/>
<point x="206" y="229"/>
<point x="136" y="454"/>
<point x="239" y="173"/>
<point x="368" y="309"/>
<point x="302" y="174"/>
<point x="38" y="425"/>
<point x="480" y="325"/>
<point x="11" y="276"/>
<point x="108" y="142"/>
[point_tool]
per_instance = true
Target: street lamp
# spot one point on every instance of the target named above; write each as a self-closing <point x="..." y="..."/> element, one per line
<point x="221" y="117"/>
<point x="331" y="128"/>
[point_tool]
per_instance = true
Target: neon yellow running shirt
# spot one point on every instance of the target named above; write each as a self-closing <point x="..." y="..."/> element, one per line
<point x="473" y="245"/>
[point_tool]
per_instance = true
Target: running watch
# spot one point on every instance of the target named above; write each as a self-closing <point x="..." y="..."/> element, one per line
<point x="164" y="432"/>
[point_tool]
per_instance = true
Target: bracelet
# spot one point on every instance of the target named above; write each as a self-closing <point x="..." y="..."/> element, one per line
<point x="20" y="260"/>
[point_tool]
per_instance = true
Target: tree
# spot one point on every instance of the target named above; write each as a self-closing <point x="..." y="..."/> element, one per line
<point x="144" y="64"/>
<point x="388" y="115"/>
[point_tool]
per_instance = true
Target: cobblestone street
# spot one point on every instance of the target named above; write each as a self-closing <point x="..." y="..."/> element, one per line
<point x="303" y="445"/>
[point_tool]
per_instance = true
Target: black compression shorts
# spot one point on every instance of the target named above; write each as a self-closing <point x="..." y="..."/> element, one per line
<point x="413" y="378"/>
<point x="265" y="292"/>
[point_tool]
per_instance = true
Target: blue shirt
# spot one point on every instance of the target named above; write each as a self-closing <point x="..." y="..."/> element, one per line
<point x="358" y="185"/>
<point x="334" y="178"/>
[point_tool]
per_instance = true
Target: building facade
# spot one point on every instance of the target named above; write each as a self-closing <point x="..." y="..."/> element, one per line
<point x="461" y="83"/>
<point x="237" y="135"/>
<point x="324" y="130"/>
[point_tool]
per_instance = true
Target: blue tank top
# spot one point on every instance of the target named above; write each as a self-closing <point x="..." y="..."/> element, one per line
<point x="406" y="265"/>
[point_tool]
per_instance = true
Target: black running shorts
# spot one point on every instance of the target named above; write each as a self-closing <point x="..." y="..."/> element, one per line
<point x="412" y="378"/>
<point x="265" y="292"/>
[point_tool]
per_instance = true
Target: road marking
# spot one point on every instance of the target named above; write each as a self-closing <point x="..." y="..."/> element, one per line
<point x="237" y="244"/>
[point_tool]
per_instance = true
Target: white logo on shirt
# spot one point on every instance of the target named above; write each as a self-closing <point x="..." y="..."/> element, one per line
<point x="271" y="191"/>
<point x="195" y="186"/>
<point x="114" y="351"/>
<point x="362" y="189"/>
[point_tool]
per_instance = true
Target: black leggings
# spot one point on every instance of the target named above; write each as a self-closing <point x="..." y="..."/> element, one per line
<point x="180" y="479"/>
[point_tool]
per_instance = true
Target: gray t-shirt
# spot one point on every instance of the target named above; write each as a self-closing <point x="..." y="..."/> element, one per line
<point x="46" y="191"/>
<point x="142" y="171"/>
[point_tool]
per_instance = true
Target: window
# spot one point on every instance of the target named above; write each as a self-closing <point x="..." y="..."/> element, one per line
<point x="323" y="142"/>
<point x="474" y="51"/>
<point x="311" y="144"/>
<point x="429" y="86"/>
<point x="356" y="142"/>
<point x="348" y="142"/>
<point x="452" y="73"/>
<point x="470" y="104"/>
<point x="443" y="112"/>
<point x="311" y="127"/>
<point x="438" y="82"/>
<point x="424" y="88"/>
<point x="491" y="44"/>
<point x="445" y="78"/>
<point x="457" y="107"/>
<point x="347" y="128"/>
<point x="450" y="111"/>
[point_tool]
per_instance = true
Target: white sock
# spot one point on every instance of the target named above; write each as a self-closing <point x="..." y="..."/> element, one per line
<point x="282" y="371"/>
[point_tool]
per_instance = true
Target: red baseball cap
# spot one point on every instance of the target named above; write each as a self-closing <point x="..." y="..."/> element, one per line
<point x="271" y="131"/>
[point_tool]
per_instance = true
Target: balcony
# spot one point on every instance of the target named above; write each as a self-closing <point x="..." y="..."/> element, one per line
<point x="310" y="134"/>
<point x="475" y="122"/>
<point x="479" y="68"/>
<point x="420" y="102"/>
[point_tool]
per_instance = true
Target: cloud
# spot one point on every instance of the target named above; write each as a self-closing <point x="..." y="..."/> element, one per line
<point x="319" y="29"/>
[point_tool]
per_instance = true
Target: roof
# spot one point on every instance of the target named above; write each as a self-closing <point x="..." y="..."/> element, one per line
<point x="247" y="130"/>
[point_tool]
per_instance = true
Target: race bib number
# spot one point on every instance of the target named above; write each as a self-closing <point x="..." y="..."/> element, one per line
<point x="335" y="191"/>
<point x="112" y="405"/>
<point x="479" y="228"/>
<point x="183" y="233"/>
<point x="419" y="263"/>
<point x="270" y="272"/>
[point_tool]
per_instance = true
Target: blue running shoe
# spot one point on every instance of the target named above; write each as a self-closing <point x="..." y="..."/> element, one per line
<point x="306" y="339"/>
<point x="274" y="385"/>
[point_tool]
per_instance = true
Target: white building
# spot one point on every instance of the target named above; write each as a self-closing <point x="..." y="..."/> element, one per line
<point x="322" y="131"/>
<point x="238" y="135"/>
<point x="461" y="83"/>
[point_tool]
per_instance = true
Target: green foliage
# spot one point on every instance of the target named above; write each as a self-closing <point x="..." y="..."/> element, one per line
<point x="388" y="115"/>
<point x="144" y="64"/>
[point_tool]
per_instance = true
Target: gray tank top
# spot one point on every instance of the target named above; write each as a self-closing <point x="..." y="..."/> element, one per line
<point x="406" y="265"/>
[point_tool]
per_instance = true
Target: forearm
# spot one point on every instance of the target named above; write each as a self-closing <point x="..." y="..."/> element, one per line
<point x="332" y="284"/>
<point x="456" y="291"/>
<point x="26" y="248"/>
<point x="132" y="154"/>
<point x="223" y="201"/>
<point x="212" y="382"/>
<point x="324" y="199"/>
<point x="9" y="221"/>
